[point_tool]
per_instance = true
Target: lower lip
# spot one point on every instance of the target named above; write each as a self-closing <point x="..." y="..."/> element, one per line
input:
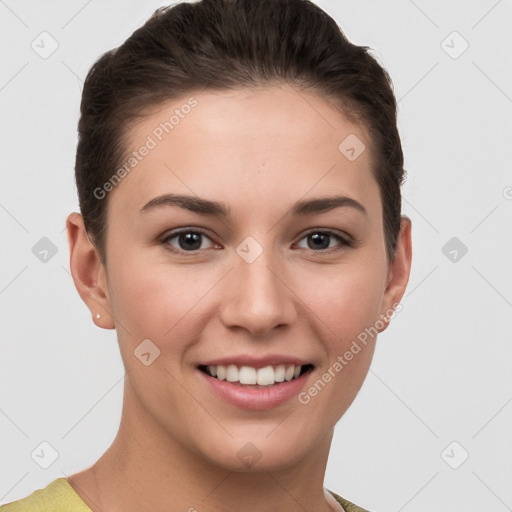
<point x="254" y="398"/>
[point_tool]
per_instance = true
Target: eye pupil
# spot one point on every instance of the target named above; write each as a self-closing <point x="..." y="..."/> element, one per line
<point x="193" y="240"/>
<point x="319" y="237"/>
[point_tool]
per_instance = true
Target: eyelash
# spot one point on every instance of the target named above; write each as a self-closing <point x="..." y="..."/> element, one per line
<point x="345" y="242"/>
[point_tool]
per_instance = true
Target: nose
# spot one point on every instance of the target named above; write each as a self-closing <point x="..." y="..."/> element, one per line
<point x="259" y="296"/>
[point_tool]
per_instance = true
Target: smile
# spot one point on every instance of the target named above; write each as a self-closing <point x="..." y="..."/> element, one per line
<point x="262" y="386"/>
<point x="256" y="377"/>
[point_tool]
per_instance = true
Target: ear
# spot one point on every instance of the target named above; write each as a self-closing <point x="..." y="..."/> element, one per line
<point x="88" y="272"/>
<point x="398" y="273"/>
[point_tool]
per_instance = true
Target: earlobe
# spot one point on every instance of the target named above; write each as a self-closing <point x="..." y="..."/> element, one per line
<point x="399" y="271"/>
<point x="88" y="272"/>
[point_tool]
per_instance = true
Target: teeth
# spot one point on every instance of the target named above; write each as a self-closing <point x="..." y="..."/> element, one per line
<point x="247" y="375"/>
<point x="220" y="371"/>
<point x="231" y="373"/>
<point x="279" y="373"/>
<point x="265" y="376"/>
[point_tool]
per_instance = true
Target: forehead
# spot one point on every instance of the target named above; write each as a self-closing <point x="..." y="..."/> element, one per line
<point x="247" y="144"/>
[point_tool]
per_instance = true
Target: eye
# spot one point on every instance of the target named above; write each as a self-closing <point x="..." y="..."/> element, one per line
<point x="187" y="240"/>
<point x="319" y="241"/>
<point x="192" y="240"/>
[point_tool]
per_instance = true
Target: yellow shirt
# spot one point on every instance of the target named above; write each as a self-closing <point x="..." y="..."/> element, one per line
<point x="59" y="496"/>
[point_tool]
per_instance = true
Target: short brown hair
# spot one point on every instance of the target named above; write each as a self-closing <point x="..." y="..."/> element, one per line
<point x="228" y="44"/>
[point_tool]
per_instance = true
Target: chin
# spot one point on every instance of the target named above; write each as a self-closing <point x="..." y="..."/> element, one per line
<point x="258" y="453"/>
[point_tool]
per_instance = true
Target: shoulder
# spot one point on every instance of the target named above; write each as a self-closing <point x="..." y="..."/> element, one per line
<point x="57" y="496"/>
<point x="347" y="505"/>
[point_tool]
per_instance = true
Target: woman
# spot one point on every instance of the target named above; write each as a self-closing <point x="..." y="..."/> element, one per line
<point x="238" y="172"/>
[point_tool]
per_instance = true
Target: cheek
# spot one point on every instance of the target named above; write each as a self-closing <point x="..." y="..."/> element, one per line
<point x="346" y="300"/>
<point x="347" y="305"/>
<point x="156" y="301"/>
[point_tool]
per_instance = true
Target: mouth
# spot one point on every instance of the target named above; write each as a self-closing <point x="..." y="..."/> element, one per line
<point x="258" y="378"/>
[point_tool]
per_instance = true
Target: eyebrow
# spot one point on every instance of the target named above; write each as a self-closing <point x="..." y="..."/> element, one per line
<point x="218" y="209"/>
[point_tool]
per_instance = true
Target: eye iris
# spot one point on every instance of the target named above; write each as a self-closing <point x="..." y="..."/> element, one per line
<point x="193" y="240"/>
<point x="318" y="238"/>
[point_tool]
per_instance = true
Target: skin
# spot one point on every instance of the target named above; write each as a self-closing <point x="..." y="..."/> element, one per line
<point x="257" y="151"/>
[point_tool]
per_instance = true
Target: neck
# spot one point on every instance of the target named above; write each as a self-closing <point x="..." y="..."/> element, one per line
<point x="146" y="469"/>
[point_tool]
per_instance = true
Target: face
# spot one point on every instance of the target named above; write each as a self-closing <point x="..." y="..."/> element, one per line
<point x="270" y="279"/>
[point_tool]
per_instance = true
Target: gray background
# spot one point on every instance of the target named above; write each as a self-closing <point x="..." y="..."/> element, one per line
<point x="441" y="372"/>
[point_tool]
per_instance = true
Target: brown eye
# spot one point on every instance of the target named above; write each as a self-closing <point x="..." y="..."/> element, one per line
<point x="186" y="240"/>
<point x="319" y="241"/>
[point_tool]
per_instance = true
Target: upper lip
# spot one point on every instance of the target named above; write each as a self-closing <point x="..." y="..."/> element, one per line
<point x="256" y="362"/>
